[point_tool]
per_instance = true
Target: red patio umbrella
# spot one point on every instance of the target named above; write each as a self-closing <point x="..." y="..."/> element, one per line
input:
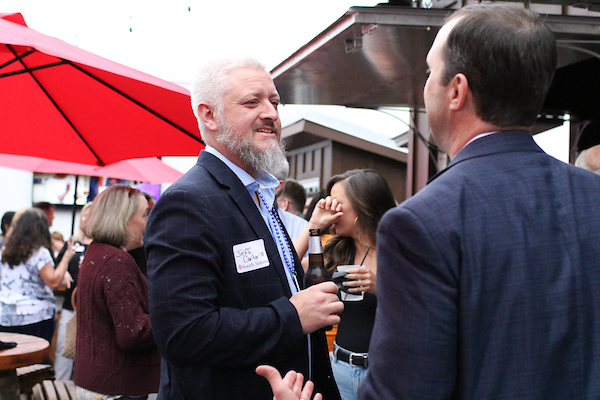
<point x="150" y="169"/>
<point x="37" y="164"/>
<point x="63" y="103"/>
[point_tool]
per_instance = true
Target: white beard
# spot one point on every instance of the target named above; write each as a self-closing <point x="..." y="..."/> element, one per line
<point x="271" y="160"/>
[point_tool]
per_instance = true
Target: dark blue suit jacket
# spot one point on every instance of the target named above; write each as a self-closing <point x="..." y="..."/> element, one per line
<point x="489" y="281"/>
<point x="213" y="325"/>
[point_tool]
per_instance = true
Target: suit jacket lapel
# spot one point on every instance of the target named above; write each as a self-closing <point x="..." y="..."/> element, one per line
<point x="239" y="194"/>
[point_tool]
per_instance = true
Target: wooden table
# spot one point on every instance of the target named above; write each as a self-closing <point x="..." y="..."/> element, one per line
<point x="29" y="350"/>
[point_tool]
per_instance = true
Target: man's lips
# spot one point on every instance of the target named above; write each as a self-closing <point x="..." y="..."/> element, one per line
<point x="268" y="130"/>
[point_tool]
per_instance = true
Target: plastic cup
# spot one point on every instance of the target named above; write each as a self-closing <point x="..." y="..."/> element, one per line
<point x="342" y="270"/>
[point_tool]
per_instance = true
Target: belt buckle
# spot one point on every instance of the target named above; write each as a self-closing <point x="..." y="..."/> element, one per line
<point x="358" y="356"/>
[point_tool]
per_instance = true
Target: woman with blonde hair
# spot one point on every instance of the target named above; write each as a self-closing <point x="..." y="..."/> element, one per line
<point x="116" y="356"/>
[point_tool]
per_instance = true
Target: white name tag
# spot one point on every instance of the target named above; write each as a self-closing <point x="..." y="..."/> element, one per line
<point x="250" y="256"/>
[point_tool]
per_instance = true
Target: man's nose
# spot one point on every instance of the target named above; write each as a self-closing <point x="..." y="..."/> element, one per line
<point x="269" y="111"/>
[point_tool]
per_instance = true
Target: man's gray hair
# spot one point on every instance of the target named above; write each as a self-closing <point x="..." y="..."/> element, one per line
<point x="211" y="83"/>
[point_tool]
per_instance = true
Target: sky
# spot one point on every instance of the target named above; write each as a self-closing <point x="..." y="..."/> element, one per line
<point x="172" y="38"/>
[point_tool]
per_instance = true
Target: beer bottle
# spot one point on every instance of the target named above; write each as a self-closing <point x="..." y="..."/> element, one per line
<point x="316" y="272"/>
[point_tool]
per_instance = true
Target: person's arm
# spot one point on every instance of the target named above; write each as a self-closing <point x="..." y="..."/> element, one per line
<point x="288" y="388"/>
<point x="127" y="301"/>
<point x="57" y="277"/>
<point x="325" y="213"/>
<point x="62" y="196"/>
<point x="416" y="325"/>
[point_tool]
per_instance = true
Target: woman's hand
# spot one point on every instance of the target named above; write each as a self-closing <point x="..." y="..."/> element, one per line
<point x="66" y="281"/>
<point x="326" y="212"/>
<point x="69" y="252"/>
<point x="362" y="280"/>
<point x="288" y="388"/>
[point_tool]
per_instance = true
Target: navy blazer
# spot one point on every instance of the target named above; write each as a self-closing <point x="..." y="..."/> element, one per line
<point x="489" y="281"/>
<point x="213" y="325"/>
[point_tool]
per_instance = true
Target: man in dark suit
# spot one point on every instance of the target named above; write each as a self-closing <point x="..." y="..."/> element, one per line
<point x="224" y="279"/>
<point x="489" y="278"/>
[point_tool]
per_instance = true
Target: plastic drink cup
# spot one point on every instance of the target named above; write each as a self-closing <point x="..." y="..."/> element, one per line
<point x="342" y="270"/>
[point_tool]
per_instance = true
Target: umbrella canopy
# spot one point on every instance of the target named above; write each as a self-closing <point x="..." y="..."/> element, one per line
<point x="151" y="170"/>
<point x="60" y="102"/>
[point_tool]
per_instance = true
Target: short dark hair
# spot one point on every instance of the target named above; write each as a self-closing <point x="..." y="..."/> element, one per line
<point x="313" y="203"/>
<point x="508" y="56"/>
<point x="590" y="136"/>
<point x="295" y="193"/>
<point x="6" y="220"/>
<point x="43" y="205"/>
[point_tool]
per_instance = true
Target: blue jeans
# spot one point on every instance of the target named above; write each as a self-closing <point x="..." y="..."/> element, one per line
<point x="63" y="366"/>
<point x="348" y="378"/>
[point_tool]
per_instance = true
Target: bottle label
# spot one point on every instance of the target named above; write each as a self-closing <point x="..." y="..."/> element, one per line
<point x="314" y="245"/>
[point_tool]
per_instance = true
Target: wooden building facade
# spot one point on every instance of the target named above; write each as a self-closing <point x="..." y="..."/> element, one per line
<point x="317" y="152"/>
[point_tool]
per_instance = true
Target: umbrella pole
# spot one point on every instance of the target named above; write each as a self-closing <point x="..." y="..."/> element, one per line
<point x="74" y="206"/>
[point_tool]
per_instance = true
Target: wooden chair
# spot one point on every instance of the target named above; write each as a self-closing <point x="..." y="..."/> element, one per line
<point x="55" y="390"/>
<point x="30" y="375"/>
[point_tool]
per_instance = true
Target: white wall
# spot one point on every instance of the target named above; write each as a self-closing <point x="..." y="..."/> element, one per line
<point x="16" y="189"/>
<point x="181" y="164"/>
<point x="63" y="218"/>
<point x="555" y="142"/>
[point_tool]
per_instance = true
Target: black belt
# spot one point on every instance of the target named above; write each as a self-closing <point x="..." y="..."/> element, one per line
<point x="354" y="359"/>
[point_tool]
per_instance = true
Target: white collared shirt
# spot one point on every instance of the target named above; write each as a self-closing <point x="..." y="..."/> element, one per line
<point x="267" y="184"/>
<point x="478" y="137"/>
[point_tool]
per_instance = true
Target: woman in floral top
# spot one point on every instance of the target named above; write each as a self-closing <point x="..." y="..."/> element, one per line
<point x="28" y="277"/>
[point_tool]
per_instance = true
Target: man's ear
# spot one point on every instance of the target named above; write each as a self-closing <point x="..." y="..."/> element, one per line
<point x="209" y="117"/>
<point x="283" y="204"/>
<point x="459" y="87"/>
<point x="279" y="187"/>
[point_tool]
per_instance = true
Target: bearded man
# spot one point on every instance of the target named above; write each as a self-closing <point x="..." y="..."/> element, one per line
<point x="225" y="282"/>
